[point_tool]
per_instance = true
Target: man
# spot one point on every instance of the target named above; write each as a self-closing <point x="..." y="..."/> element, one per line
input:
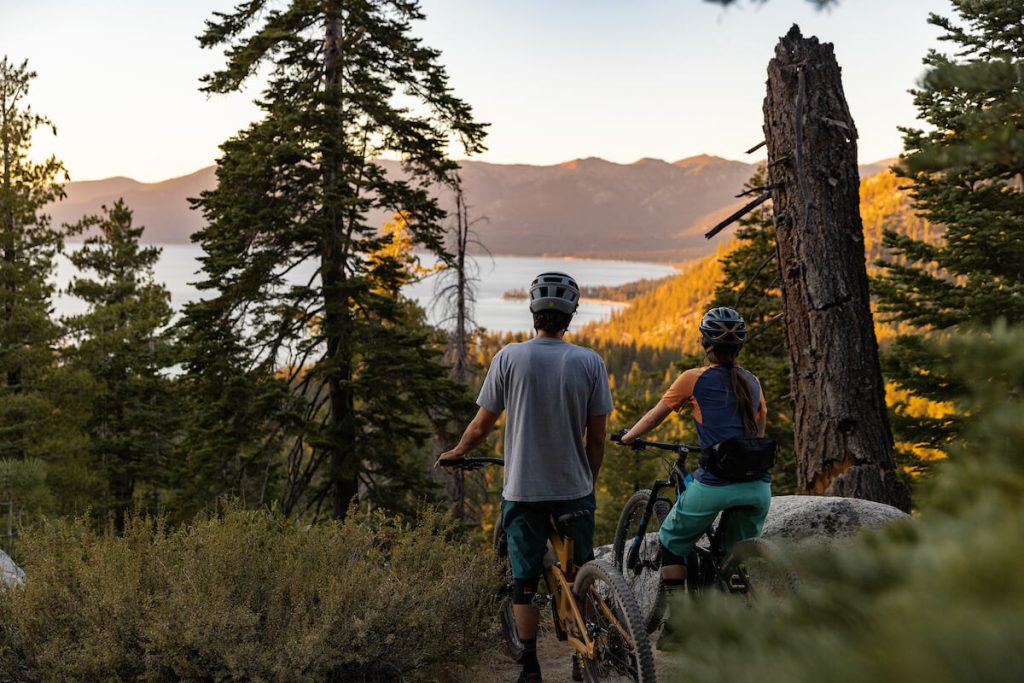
<point x="558" y="402"/>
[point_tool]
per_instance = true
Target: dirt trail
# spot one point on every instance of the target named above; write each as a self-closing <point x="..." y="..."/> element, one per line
<point x="555" y="663"/>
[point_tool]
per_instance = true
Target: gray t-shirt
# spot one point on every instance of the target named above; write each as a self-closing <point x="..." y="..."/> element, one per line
<point x="549" y="387"/>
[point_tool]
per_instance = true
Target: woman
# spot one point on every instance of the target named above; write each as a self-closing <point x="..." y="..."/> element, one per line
<point x="727" y="402"/>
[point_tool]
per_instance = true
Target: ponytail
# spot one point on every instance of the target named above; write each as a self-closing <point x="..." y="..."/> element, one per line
<point x="725" y="356"/>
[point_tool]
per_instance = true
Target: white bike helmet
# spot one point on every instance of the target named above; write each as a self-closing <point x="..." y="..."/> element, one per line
<point x="723" y="327"/>
<point x="554" y="291"/>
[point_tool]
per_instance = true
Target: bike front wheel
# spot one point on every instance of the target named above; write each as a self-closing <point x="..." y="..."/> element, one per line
<point x="638" y="556"/>
<point x="614" y="621"/>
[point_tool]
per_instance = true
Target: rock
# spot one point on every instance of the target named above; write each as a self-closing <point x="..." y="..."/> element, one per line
<point x="801" y="519"/>
<point x="10" y="573"/>
<point x="796" y="518"/>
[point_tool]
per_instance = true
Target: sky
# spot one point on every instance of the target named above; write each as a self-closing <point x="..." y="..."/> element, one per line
<point x="556" y="79"/>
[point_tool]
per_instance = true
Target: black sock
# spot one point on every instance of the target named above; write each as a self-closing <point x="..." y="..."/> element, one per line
<point x="530" y="663"/>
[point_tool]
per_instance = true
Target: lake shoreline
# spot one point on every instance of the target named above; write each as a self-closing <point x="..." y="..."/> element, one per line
<point x="178" y="266"/>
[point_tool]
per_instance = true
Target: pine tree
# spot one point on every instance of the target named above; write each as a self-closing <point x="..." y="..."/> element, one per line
<point x="964" y="175"/>
<point x="122" y="343"/>
<point x="750" y="284"/>
<point x="28" y="246"/>
<point x="287" y="270"/>
<point x="43" y="407"/>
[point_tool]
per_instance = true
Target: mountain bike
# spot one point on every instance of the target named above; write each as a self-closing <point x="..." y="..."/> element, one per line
<point x="594" y="610"/>
<point x="636" y="551"/>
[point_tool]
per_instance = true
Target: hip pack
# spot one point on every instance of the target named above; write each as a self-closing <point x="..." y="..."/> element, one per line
<point x="741" y="458"/>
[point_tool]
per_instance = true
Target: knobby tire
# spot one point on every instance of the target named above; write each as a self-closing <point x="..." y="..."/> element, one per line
<point x="643" y="581"/>
<point x="615" y="659"/>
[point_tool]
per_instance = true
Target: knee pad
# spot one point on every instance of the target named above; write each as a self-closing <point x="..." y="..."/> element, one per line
<point x="523" y="590"/>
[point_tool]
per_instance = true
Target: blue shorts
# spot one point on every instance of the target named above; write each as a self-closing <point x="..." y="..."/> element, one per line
<point x="526" y="528"/>
<point x="746" y="505"/>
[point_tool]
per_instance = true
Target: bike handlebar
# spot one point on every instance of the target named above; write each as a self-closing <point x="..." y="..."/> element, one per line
<point x="640" y="444"/>
<point x="470" y="463"/>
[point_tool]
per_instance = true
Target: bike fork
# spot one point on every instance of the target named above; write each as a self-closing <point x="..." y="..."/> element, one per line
<point x="632" y="557"/>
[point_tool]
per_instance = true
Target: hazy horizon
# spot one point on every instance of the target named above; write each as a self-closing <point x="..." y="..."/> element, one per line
<point x="751" y="160"/>
<point x="556" y="81"/>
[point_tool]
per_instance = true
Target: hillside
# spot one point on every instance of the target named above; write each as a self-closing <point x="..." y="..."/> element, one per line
<point x="648" y="210"/>
<point x="669" y="314"/>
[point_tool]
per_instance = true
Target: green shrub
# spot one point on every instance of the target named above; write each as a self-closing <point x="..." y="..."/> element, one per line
<point x="937" y="598"/>
<point x="246" y="595"/>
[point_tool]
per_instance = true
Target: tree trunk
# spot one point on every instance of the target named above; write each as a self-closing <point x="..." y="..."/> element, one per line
<point x="844" y="446"/>
<point x="9" y="252"/>
<point x="458" y="342"/>
<point x="342" y="465"/>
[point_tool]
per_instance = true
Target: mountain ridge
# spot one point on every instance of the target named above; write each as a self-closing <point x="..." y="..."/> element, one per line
<point x="649" y="209"/>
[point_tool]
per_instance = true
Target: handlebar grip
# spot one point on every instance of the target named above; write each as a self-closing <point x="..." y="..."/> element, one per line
<point x="617" y="438"/>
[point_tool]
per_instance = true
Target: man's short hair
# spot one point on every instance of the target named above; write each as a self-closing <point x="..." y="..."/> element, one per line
<point x="551" y="321"/>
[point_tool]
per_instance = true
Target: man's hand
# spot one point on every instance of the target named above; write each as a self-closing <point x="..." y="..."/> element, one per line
<point x="453" y="454"/>
<point x="474" y="435"/>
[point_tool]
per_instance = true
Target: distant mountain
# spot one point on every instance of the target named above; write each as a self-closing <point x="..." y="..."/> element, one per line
<point x="648" y="210"/>
<point x="162" y="207"/>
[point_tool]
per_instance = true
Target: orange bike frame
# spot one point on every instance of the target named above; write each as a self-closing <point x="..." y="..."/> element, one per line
<point x="566" y="610"/>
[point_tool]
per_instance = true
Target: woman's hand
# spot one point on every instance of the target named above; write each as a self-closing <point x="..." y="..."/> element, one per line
<point x="654" y="417"/>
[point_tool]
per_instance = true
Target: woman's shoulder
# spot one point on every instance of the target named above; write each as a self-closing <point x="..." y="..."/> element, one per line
<point x="691" y="376"/>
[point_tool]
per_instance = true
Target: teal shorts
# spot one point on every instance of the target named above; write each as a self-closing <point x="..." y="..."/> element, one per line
<point x="526" y="528"/>
<point x="745" y="503"/>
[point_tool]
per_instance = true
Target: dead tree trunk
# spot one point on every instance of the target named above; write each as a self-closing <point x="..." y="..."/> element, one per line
<point x="844" y="445"/>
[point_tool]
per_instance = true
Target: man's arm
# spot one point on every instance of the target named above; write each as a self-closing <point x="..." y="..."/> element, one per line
<point x="597" y="426"/>
<point x="474" y="435"/>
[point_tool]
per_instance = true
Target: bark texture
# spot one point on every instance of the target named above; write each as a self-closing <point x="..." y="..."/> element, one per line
<point x="843" y="442"/>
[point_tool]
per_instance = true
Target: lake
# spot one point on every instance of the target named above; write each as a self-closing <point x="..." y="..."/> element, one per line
<point x="179" y="262"/>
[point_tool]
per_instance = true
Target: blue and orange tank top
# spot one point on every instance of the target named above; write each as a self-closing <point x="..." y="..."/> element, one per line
<point x="707" y="391"/>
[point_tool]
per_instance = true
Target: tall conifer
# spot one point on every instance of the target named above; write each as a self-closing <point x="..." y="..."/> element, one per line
<point x="965" y="175"/>
<point x="287" y="271"/>
<point x="122" y="343"/>
<point x="28" y="246"/>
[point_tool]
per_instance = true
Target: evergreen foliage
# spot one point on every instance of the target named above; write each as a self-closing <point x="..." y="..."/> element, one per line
<point x="668" y="316"/>
<point x="965" y="177"/>
<point x="28" y="335"/>
<point x="42" y="406"/>
<point x="626" y="470"/>
<point x="297" y="276"/>
<point x="122" y="344"/>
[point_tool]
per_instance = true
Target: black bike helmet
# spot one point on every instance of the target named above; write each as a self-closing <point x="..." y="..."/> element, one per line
<point x="554" y="291"/>
<point x="722" y="327"/>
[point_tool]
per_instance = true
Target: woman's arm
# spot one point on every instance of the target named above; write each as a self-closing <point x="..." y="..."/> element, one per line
<point x="654" y="417"/>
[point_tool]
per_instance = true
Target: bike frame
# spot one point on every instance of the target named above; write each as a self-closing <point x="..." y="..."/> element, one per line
<point x="566" y="607"/>
<point x="559" y="576"/>
<point x="677" y="480"/>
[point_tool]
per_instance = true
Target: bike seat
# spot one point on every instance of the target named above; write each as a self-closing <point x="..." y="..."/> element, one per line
<point x="564" y="522"/>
